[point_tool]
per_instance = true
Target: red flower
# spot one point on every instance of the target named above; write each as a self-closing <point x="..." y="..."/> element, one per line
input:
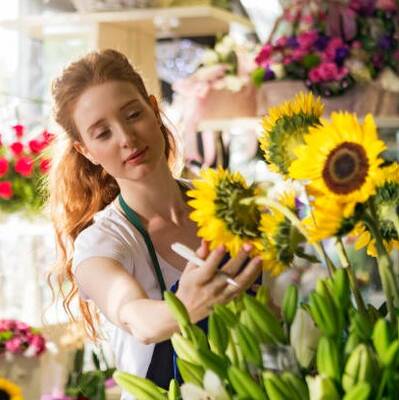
<point x="19" y="130"/>
<point x="44" y="165"/>
<point x="17" y="148"/>
<point x="48" y="137"/>
<point x="24" y="166"/>
<point x="6" y="190"/>
<point x="3" y="166"/>
<point x="36" y="146"/>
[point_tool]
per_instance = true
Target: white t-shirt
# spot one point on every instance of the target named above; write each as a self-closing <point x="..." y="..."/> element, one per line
<point x="112" y="235"/>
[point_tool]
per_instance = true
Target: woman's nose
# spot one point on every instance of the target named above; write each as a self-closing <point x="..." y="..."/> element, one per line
<point x="126" y="136"/>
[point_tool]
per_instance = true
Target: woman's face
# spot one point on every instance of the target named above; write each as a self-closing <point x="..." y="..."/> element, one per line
<point x="119" y="130"/>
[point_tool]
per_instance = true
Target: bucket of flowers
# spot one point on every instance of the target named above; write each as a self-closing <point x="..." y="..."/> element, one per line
<point x="20" y="349"/>
<point x="23" y="163"/>
<point x="332" y="344"/>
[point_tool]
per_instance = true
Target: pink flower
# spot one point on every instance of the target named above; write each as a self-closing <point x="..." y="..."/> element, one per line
<point x="281" y="41"/>
<point x="36" y="146"/>
<point x="19" y="130"/>
<point x="6" y="191"/>
<point x="387" y="5"/>
<point x="6" y="324"/>
<point x="109" y="383"/>
<point x="21" y="326"/>
<point x="44" y="165"/>
<point x="332" y="47"/>
<point x="298" y="54"/>
<point x="24" y="166"/>
<point x="17" y="148"/>
<point x="326" y="72"/>
<point x="39" y="343"/>
<point x="356" y="44"/>
<point x="396" y="55"/>
<point x="14" y="345"/>
<point x="307" y="39"/>
<point x="3" y="166"/>
<point x="263" y="57"/>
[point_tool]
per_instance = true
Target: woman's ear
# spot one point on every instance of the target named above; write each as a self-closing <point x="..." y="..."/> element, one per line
<point x="80" y="148"/>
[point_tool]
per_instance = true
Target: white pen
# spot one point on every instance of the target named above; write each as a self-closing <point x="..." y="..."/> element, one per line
<point x="190" y="255"/>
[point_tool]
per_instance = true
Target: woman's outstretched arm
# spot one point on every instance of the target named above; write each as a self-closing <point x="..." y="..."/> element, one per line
<point x="125" y="303"/>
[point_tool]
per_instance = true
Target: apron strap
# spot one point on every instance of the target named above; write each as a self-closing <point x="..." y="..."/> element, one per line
<point x="135" y="220"/>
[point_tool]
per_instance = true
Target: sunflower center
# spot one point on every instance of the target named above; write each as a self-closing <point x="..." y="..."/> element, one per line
<point x="346" y="168"/>
<point x="240" y="219"/>
<point x="4" y="395"/>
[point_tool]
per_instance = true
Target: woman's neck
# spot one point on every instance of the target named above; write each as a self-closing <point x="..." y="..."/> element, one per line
<point x="158" y="196"/>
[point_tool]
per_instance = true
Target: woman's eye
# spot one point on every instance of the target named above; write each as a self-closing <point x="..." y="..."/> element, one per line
<point x="103" y="134"/>
<point x="133" y="115"/>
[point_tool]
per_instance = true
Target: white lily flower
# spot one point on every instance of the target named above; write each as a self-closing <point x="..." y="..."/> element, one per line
<point x="321" y="388"/>
<point x="304" y="337"/>
<point x="213" y="389"/>
<point x="233" y="83"/>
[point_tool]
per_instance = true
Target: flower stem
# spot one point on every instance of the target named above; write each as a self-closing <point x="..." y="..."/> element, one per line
<point x="347" y="266"/>
<point x="385" y="265"/>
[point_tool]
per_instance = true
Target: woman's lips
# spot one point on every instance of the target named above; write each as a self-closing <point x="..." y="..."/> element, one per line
<point x="138" y="157"/>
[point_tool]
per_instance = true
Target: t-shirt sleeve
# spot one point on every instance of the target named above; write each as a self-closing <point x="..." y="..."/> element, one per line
<point x="102" y="240"/>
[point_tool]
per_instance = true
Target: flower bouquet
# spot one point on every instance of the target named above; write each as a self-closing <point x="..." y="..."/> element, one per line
<point x="22" y="164"/>
<point x="221" y="86"/>
<point x="332" y="344"/>
<point x="347" y="42"/>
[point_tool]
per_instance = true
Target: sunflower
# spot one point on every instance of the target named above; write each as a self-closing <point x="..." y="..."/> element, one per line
<point x="386" y="201"/>
<point x="285" y="127"/>
<point x="327" y="219"/>
<point x="221" y="217"/>
<point x="279" y="239"/>
<point x="340" y="159"/>
<point x="387" y="198"/>
<point x="9" y="390"/>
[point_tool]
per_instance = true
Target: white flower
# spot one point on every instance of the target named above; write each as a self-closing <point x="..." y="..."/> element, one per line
<point x="389" y="80"/>
<point x="233" y="83"/>
<point x="321" y="388"/>
<point x="209" y="57"/>
<point x="225" y="46"/>
<point x="213" y="389"/>
<point x="304" y="337"/>
<point x="278" y="70"/>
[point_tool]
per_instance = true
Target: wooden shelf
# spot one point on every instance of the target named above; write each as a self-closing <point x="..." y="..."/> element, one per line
<point x="168" y="22"/>
<point x="255" y="123"/>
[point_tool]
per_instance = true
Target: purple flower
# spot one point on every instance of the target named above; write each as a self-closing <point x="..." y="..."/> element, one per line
<point x="292" y="42"/>
<point x="386" y="42"/>
<point x="322" y="42"/>
<point x="340" y="54"/>
<point x="269" y="75"/>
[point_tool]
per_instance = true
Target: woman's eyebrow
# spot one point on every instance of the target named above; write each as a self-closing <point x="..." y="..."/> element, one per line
<point x="130" y="102"/>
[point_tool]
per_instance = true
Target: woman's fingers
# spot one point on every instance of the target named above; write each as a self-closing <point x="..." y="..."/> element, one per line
<point x="203" y="250"/>
<point x="234" y="265"/>
<point x="207" y="271"/>
<point x="244" y="279"/>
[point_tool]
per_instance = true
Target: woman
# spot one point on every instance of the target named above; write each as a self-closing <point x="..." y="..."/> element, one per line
<point x="117" y="209"/>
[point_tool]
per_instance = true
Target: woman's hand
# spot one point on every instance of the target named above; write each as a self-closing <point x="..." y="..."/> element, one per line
<point x="202" y="287"/>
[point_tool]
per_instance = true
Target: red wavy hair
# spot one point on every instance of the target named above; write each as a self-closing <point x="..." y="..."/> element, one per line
<point x="77" y="188"/>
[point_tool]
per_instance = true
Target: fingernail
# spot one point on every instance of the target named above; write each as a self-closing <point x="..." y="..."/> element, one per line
<point x="247" y="247"/>
<point x="220" y="248"/>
